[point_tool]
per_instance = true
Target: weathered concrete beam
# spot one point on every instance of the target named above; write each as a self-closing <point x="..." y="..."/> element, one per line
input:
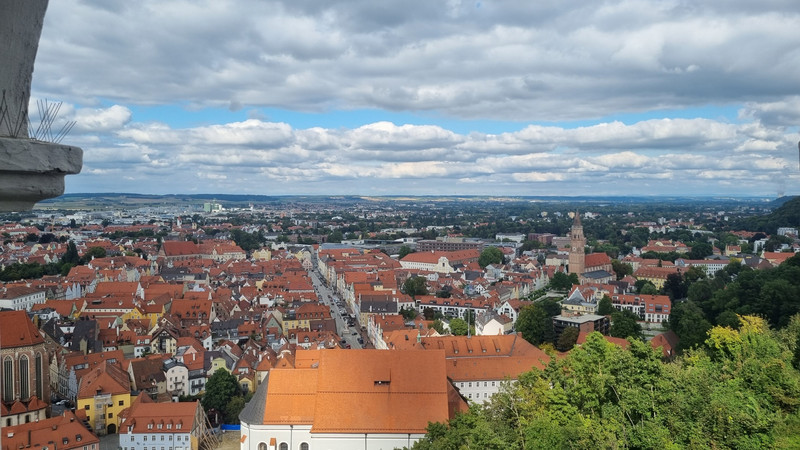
<point x="31" y="171"/>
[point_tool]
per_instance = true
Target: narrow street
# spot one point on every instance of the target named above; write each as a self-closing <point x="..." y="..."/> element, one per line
<point x="327" y="297"/>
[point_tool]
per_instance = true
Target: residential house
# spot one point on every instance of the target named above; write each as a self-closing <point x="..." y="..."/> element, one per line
<point x="177" y="376"/>
<point x="103" y="393"/>
<point x="164" y="425"/>
<point x="20" y="298"/>
<point x="64" y="432"/>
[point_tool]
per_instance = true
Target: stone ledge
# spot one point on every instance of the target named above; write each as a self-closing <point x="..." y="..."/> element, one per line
<point x="32" y="171"/>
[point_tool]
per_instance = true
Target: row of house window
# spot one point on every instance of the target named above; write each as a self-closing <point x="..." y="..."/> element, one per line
<point x="153" y="448"/>
<point x="477" y="384"/>
<point x="169" y="426"/>
<point x="177" y="438"/>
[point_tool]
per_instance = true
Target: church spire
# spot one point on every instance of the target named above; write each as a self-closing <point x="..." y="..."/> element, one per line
<point x="577" y="257"/>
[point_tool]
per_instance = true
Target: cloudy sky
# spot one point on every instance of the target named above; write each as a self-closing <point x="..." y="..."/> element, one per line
<point x="428" y="97"/>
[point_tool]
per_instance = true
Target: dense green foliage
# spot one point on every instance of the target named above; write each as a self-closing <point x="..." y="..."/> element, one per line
<point x="625" y="324"/>
<point x="535" y="322"/>
<point x="787" y="215"/>
<point x="415" y="286"/>
<point x="567" y="339"/>
<point x="458" y="327"/>
<point x="490" y="255"/>
<point x="605" y="307"/>
<point x="224" y="395"/>
<point x="771" y="293"/>
<point x="562" y="281"/>
<point x="404" y="251"/>
<point x="247" y="241"/>
<point x="738" y="392"/>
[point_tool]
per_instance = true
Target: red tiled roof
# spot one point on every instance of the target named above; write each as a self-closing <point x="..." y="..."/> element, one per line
<point x="17" y="330"/>
<point x="107" y="378"/>
<point x="145" y="417"/>
<point x="179" y="248"/>
<point x="397" y="392"/>
<point x="62" y="430"/>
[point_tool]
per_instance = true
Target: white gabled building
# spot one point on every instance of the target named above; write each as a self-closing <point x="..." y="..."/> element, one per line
<point x="171" y="426"/>
<point x="20" y="298"/>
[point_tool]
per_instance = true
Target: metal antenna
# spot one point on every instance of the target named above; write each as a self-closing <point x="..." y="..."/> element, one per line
<point x="48" y="113"/>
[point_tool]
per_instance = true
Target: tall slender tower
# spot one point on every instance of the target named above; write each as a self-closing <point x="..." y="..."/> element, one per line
<point x="577" y="243"/>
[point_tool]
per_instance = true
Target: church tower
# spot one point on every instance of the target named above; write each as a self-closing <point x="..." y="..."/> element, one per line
<point x="577" y="243"/>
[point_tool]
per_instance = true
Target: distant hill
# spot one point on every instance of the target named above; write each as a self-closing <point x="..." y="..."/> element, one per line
<point x="787" y="215"/>
<point x="778" y="202"/>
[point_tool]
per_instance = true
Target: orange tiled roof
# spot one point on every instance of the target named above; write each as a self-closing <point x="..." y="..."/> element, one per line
<point x="107" y="378"/>
<point x="63" y="430"/>
<point x="397" y="392"/>
<point x="143" y="413"/>
<point x="17" y="330"/>
<point x="180" y="248"/>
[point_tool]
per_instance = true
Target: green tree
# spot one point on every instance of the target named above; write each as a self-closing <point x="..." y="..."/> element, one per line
<point x="562" y="281"/>
<point x="567" y="339"/>
<point x="648" y="288"/>
<point x="233" y="408"/>
<point x="415" y="286"/>
<point x="701" y="250"/>
<point x="335" y="236"/>
<point x="221" y="387"/>
<point x="410" y="313"/>
<point x="535" y="323"/>
<point x="438" y="326"/>
<point x="605" y="307"/>
<point x="689" y="323"/>
<point x="94" y="252"/>
<point x="622" y="269"/>
<point x="458" y="327"/>
<point x="625" y="323"/>
<point x="404" y="251"/>
<point x="490" y="255"/>
<point x="71" y="255"/>
<point x="675" y="286"/>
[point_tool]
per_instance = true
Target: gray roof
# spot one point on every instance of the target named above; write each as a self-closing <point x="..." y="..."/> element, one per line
<point x="253" y="412"/>
<point x="596" y="274"/>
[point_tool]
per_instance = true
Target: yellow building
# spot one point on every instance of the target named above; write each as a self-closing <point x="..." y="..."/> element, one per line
<point x="103" y="393"/>
<point x="217" y="363"/>
<point x="135" y="314"/>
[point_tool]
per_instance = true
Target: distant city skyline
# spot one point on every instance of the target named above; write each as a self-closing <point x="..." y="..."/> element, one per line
<point x="508" y="98"/>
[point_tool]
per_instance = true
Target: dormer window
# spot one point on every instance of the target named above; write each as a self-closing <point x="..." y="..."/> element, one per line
<point x="159" y="426"/>
<point x="178" y="426"/>
<point x="149" y="426"/>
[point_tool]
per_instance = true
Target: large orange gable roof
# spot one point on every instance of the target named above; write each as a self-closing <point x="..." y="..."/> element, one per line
<point x="291" y="396"/>
<point x="396" y="392"/>
<point x="17" y="330"/>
